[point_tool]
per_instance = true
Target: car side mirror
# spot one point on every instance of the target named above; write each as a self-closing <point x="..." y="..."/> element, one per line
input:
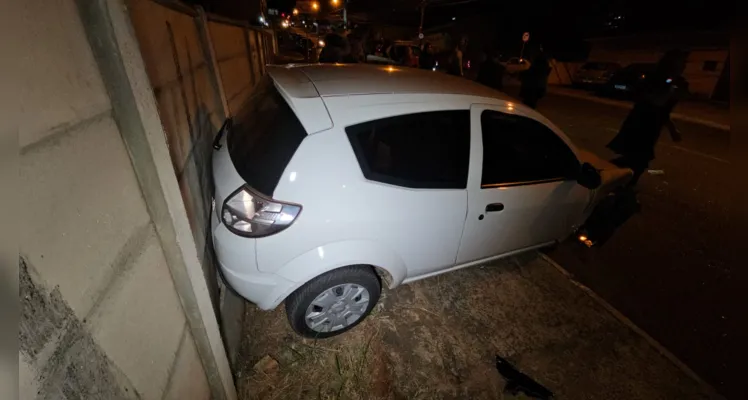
<point x="589" y="177"/>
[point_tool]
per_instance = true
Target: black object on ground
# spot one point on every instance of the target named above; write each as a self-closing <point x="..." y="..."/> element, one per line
<point x="612" y="212"/>
<point x="517" y="382"/>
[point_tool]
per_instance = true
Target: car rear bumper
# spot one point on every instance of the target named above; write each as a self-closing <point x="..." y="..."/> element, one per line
<point x="237" y="260"/>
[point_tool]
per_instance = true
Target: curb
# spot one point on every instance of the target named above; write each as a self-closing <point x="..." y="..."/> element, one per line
<point x="615" y="103"/>
<point x="707" y="388"/>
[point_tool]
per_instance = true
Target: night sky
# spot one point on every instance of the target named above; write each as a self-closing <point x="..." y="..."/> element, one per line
<point x="560" y="26"/>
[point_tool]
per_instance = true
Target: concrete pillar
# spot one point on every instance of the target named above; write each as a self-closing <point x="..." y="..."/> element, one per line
<point x="209" y="53"/>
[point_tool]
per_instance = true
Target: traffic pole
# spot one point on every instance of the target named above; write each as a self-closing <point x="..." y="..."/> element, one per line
<point x="345" y="14"/>
<point x="420" y="26"/>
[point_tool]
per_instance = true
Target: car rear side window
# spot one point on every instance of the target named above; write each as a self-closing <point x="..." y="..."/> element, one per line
<point x="265" y="135"/>
<point x="427" y="150"/>
<point x="519" y="150"/>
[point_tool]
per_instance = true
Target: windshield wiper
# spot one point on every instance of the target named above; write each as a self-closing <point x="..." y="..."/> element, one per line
<point x="224" y="129"/>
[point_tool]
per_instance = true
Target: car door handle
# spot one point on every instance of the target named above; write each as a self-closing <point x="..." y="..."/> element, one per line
<point x="494" y="207"/>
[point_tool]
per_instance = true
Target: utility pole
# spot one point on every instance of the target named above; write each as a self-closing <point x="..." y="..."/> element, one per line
<point x="423" y="12"/>
<point x="345" y="14"/>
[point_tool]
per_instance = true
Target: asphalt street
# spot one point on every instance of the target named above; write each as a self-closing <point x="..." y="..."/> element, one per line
<point x="677" y="269"/>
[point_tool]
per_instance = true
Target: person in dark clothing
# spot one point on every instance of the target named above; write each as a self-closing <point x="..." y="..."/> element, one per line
<point x="427" y="60"/>
<point x="336" y="50"/>
<point x="491" y="72"/>
<point x="454" y="64"/>
<point x="356" y="54"/>
<point x="535" y="80"/>
<point x="660" y="92"/>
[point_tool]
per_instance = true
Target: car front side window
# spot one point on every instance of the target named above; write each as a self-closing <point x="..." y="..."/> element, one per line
<point x="521" y="151"/>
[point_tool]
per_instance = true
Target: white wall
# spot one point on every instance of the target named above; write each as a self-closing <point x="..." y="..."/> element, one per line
<point x="100" y="315"/>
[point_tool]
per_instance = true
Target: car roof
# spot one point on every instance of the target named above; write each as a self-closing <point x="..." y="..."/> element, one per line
<point x="361" y="79"/>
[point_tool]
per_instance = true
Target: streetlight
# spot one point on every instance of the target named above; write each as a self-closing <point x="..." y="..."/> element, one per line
<point x="336" y="3"/>
<point x="315" y="6"/>
<point x="295" y="11"/>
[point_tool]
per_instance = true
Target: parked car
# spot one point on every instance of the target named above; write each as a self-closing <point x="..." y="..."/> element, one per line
<point x="593" y="74"/>
<point x="334" y="180"/>
<point x="379" y="60"/>
<point x="627" y="82"/>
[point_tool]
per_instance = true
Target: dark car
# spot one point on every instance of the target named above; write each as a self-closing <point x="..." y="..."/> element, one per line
<point x="627" y="82"/>
<point x="593" y="74"/>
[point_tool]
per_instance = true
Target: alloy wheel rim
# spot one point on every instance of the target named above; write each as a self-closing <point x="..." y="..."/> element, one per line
<point x="337" y="308"/>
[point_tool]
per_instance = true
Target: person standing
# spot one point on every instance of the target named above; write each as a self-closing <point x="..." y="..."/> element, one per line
<point x="427" y="61"/>
<point x="454" y="66"/>
<point x="491" y="72"/>
<point x="660" y="92"/>
<point x="336" y="49"/>
<point x="409" y="59"/>
<point x="356" y="54"/>
<point x="535" y="80"/>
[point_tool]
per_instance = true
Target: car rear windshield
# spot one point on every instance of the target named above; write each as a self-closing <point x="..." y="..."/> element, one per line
<point x="265" y="135"/>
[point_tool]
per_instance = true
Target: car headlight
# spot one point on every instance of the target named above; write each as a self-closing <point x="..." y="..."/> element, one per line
<point x="249" y="214"/>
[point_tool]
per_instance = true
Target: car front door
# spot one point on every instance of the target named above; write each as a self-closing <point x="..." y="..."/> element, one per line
<point x="522" y="190"/>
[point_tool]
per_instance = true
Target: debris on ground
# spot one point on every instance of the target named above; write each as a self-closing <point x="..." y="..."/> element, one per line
<point x="656" y="171"/>
<point x="517" y="382"/>
<point x="266" y="365"/>
<point x="437" y="338"/>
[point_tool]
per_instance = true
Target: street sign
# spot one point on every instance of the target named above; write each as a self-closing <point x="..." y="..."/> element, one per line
<point x="526" y="37"/>
<point x="420" y="35"/>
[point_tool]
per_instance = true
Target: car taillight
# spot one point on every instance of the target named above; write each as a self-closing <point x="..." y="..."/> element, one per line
<point x="246" y="213"/>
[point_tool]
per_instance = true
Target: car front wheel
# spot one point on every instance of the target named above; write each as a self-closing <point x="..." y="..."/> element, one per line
<point x="334" y="302"/>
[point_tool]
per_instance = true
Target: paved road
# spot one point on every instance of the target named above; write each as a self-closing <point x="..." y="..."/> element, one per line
<point x="676" y="269"/>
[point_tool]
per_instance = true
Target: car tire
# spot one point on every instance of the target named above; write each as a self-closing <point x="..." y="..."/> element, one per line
<point x="337" y="296"/>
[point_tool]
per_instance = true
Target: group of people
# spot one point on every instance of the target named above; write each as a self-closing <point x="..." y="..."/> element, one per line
<point x="534" y="79"/>
<point x="655" y="99"/>
<point x="339" y="49"/>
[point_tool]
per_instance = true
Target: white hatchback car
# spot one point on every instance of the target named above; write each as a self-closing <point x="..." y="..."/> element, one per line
<point x="334" y="178"/>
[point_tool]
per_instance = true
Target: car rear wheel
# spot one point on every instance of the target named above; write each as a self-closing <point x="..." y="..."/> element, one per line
<point x="334" y="302"/>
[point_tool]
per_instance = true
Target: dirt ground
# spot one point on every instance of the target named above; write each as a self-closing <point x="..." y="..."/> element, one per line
<point x="437" y="339"/>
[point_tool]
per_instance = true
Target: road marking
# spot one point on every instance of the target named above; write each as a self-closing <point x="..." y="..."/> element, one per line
<point x="707" y="388"/>
<point x="629" y="106"/>
<point x="698" y="153"/>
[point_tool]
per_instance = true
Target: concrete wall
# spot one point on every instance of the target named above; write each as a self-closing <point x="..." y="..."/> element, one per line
<point x="189" y="107"/>
<point x="180" y="68"/>
<point x="700" y="81"/>
<point x="231" y="46"/>
<point x="101" y="317"/>
<point x="201" y="68"/>
<point x="562" y="72"/>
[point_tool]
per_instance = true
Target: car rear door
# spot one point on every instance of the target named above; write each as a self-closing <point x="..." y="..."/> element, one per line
<point x="522" y="190"/>
<point x="416" y="168"/>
